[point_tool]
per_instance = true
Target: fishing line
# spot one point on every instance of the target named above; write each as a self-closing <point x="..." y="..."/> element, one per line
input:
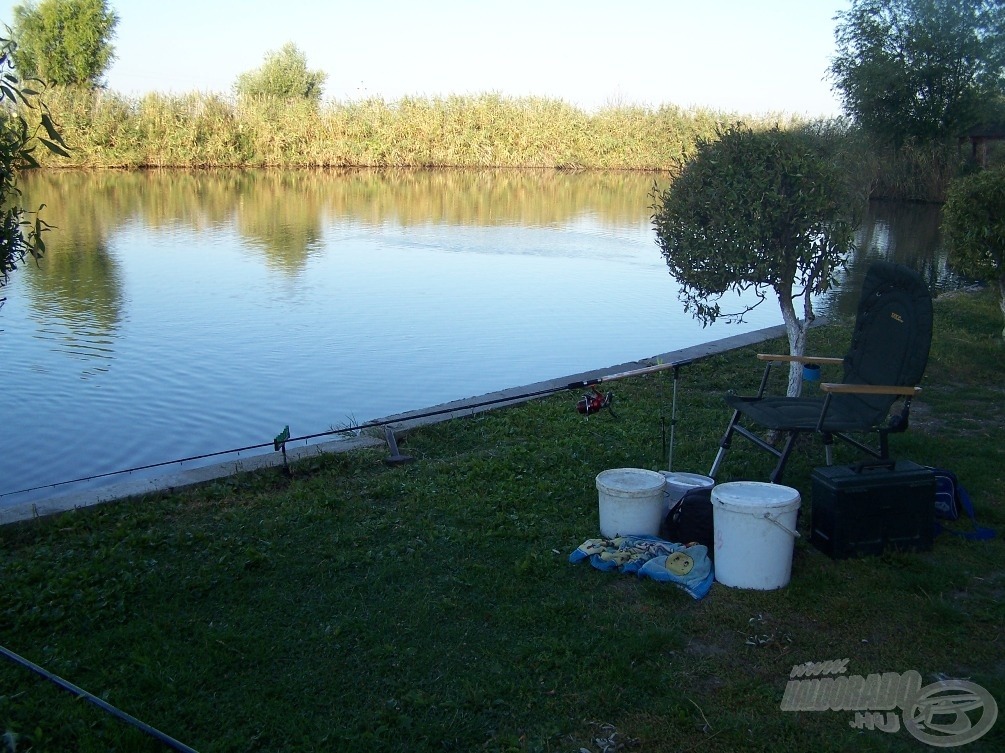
<point x="280" y="442"/>
<point x="135" y="468"/>
<point x="103" y="705"/>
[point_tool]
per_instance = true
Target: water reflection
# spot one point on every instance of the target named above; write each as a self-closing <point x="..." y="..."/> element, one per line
<point x="183" y="312"/>
<point x="76" y="294"/>
<point x="77" y="304"/>
<point x="904" y="232"/>
<point x="281" y="217"/>
<point x="279" y="213"/>
<point x="374" y="197"/>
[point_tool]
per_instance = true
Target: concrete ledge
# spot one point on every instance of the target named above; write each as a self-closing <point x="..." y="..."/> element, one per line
<point x="399" y="422"/>
<point x="514" y="395"/>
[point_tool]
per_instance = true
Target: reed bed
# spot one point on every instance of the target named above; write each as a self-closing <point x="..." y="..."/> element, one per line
<point x="486" y="131"/>
<point x="106" y="129"/>
<point x="920" y="172"/>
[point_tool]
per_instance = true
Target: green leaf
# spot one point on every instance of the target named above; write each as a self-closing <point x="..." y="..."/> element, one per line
<point x="54" y="147"/>
<point x="50" y="128"/>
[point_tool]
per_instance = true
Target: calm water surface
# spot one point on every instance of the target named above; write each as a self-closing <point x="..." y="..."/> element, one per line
<point x="182" y="313"/>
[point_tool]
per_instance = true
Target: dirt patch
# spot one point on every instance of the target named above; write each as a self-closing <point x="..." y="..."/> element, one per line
<point x="710" y="648"/>
<point x="973" y="418"/>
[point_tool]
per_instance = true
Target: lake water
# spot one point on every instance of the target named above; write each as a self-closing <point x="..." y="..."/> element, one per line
<point x="181" y="313"/>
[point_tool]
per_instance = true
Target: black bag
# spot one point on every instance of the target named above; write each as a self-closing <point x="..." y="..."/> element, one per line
<point x="690" y="520"/>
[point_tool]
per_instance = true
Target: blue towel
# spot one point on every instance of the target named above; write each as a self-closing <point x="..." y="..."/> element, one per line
<point x="687" y="567"/>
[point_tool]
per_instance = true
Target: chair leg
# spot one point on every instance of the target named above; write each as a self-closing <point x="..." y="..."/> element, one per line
<point x="783" y="458"/>
<point x="724" y="443"/>
<point x="828" y="448"/>
<point x="717" y="463"/>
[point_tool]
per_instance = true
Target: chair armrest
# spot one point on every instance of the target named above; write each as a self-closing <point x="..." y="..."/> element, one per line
<point x="869" y="389"/>
<point x="821" y="360"/>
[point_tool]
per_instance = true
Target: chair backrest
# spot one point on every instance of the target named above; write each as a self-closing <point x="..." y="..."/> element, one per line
<point x="893" y="332"/>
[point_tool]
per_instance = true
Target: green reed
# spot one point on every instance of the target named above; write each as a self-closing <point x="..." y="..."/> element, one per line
<point x="202" y="130"/>
<point x="106" y="129"/>
<point x="919" y="172"/>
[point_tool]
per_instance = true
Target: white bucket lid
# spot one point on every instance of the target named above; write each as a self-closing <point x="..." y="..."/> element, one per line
<point x="755" y="496"/>
<point x="688" y="480"/>
<point x="630" y="482"/>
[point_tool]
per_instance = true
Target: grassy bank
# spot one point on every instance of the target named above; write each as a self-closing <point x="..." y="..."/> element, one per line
<point x="106" y="129"/>
<point x="432" y="607"/>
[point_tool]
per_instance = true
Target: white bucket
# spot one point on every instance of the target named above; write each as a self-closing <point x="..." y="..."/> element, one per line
<point x="631" y="502"/>
<point x="679" y="484"/>
<point x="755" y="531"/>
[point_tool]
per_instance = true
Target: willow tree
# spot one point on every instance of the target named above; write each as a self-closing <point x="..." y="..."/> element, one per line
<point x="65" y="42"/>
<point x="21" y="230"/>
<point x="283" y="75"/>
<point x="920" y="69"/>
<point x="973" y="222"/>
<point x="767" y="211"/>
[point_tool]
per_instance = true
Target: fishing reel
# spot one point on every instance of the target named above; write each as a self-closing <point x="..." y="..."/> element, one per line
<point x="596" y="401"/>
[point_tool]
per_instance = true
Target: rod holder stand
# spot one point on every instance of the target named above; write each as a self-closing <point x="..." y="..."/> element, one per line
<point x="395" y="458"/>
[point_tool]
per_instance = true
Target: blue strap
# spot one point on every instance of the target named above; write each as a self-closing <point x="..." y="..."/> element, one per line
<point x="980" y="533"/>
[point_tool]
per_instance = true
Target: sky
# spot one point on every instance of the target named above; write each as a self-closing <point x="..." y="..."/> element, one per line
<point x="744" y="56"/>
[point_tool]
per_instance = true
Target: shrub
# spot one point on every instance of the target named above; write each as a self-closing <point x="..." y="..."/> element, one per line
<point x="973" y="221"/>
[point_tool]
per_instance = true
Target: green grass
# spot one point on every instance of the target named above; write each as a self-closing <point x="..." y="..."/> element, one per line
<point x="354" y="606"/>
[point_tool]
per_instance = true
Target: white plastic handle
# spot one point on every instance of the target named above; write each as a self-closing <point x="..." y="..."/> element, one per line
<point x="794" y="534"/>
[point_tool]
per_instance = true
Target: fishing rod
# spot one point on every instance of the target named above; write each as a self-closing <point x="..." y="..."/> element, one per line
<point x="146" y="467"/>
<point x="284" y="437"/>
<point x="589" y="404"/>
<point x="101" y="704"/>
<point x="673" y="416"/>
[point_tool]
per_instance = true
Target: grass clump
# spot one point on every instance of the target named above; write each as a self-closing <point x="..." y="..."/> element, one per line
<point x="354" y="606"/>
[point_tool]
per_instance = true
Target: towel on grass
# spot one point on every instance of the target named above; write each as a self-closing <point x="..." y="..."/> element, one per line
<point x="687" y="567"/>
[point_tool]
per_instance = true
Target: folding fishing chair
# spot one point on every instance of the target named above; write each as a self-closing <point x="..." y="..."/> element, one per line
<point x="885" y="363"/>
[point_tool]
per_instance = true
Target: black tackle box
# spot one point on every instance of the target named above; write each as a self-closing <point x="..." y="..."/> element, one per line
<point x="868" y="508"/>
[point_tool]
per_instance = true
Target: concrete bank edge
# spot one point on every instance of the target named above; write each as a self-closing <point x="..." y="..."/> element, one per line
<point x="399" y="422"/>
